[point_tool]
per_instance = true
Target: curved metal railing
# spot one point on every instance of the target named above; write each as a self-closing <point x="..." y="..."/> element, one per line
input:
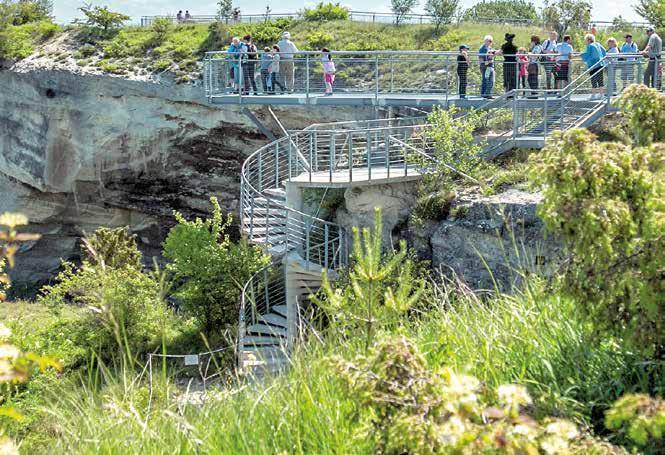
<point x="341" y="153"/>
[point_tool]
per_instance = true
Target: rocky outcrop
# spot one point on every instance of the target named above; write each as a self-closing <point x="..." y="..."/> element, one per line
<point x="80" y="151"/>
<point x="491" y="242"/>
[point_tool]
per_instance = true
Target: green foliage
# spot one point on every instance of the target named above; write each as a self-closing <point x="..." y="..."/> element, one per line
<point x="101" y="21"/>
<point x="565" y="15"/>
<point x="653" y="11"/>
<point x="208" y="269"/>
<point x="401" y="8"/>
<point x="224" y="9"/>
<point x="318" y="40"/>
<point x="161" y="27"/>
<point x="111" y="68"/>
<point x="162" y="65"/>
<point x="326" y="12"/>
<point x="606" y="200"/>
<point x="645" y="110"/>
<point x="18" y="42"/>
<point x="641" y="419"/>
<point x="85" y="51"/>
<point x="443" y="11"/>
<point x="497" y="9"/>
<point x="405" y="407"/>
<point x="112" y="247"/>
<point x="21" y="12"/>
<point x="370" y="302"/>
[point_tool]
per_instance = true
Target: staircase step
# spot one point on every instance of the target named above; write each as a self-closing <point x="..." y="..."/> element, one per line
<point x="274" y="319"/>
<point x="279" y="309"/>
<point x="262" y="341"/>
<point x="264" y="329"/>
<point x="276" y="192"/>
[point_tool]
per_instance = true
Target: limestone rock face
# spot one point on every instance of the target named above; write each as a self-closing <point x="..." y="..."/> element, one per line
<point x="491" y="241"/>
<point x="396" y="201"/>
<point x="80" y="151"/>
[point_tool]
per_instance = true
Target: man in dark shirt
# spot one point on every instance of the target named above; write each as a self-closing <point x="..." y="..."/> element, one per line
<point x="509" y="51"/>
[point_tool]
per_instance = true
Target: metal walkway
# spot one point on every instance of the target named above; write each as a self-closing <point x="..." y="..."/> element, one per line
<point x="349" y="154"/>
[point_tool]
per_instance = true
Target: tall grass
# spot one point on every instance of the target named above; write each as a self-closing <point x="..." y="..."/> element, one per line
<point x="529" y="338"/>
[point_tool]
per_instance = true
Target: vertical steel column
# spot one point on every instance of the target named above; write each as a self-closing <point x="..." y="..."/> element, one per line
<point x="369" y="155"/>
<point x="386" y="141"/>
<point x="332" y="155"/>
<point x="545" y="115"/>
<point x="267" y="225"/>
<point x="376" y="77"/>
<point x="288" y="157"/>
<point x="325" y="243"/>
<point x="349" y="139"/>
<point x="260" y="188"/>
<point x="277" y="164"/>
<point x="392" y="74"/>
<point x="311" y="161"/>
<point x="265" y="286"/>
<point x="307" y="79"/>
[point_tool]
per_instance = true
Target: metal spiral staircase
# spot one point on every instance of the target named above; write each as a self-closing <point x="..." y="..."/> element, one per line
<point x="342" y="155"/>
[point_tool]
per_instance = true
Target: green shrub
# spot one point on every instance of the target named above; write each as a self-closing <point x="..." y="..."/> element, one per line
<point x="605" y="199"/>
<point x="640" y="419"/>
<point x="402" y="406"/>
<point x="208" y="269"/>
<point x="318" y="40"/>
<point x="85" y="51"/>
<point x="645" y="110"/>
<point x="111" y="68"/>
<point x="162" y="65"/>
<point x="112" y="247"/>
<point x="161" y="27"/>
<point x="326" y="12"/>
<point x="17" y="42"/>
<point x="498" y="9"/>
<point x="370" y="302"/>
<point x="102" y="22"/>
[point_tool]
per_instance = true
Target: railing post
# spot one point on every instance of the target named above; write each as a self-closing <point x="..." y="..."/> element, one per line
<point x="516" y="124"/>
<point x="260" y="188"/>
<point x="386" y="142"/>
<point x="311" y="152"/>
<point x="251" y="220"/>
<point x="267" y="226"/>
<point x="288" y="157"/>
<point x="545" y="119"/>
<point x="376" y="76"/>
<point x="277" y="164"/>
<point x="349" y="139"/>
<point x="307" y="80"/>
<point x="241" y="79"/>
<point x="265" y="287"/>
<point x="369" y="155"/>
<point x="447" y="87"/>
<point x="610" y="77"/>
<point x="392" y="74"/>
<point x="332" y="155"/>
<point x="325" y="243"/>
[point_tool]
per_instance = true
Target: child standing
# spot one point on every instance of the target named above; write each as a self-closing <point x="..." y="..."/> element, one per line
<point x="266" y="61"/>
<point x="463" y="69"/>
<point x="328" y="70"/>
<point x="523" y="61"/>
<point x="275" y="78"/>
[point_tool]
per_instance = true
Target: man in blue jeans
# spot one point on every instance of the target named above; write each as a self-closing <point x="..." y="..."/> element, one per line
<point x="486" y="61"/>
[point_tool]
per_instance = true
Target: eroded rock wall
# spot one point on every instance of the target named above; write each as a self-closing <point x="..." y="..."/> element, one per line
<point x="81" y="151"/>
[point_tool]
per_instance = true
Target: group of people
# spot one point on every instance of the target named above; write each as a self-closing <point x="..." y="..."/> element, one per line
<point x="276" y="65"/>
<point x="183" y="18"/>
<point x="522" y="66"/>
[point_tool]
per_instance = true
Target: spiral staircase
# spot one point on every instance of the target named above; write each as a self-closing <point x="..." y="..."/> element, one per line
<point x="343" y="155"/>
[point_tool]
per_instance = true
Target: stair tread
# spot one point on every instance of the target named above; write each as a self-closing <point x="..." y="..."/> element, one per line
<point x="280" y="309"/>
<point x="263" y="340"/>
<point x="266" y="330"/>
<point x="274" y="319"/>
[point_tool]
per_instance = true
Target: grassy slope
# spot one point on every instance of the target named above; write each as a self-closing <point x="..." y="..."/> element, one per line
<point x="17" y="42"/>
<point x="533" y="338"/>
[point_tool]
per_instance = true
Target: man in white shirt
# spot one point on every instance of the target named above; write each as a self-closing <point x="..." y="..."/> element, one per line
<point x="549" y="47"/>
<point x="287" y="52"/>
<point x="653" y="50"/>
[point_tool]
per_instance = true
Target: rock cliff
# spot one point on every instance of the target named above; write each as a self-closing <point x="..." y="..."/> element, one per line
<point x="78" y="151"/>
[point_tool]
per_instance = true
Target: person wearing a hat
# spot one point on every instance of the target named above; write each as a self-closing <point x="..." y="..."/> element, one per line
<point x="627" y="63"/>
<point x="463" y="69"/>
<point x="287" y="54"/>
<point x="652" y="50"/>
<point x="509" y="52"/>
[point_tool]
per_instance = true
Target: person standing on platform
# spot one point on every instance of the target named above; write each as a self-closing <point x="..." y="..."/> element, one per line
<point x="288" y="51"/>
<point x="652" y="51"/>
<point x="462" y="69"/>
<point x="509" y="52"/>
<point x="486" y="62"/>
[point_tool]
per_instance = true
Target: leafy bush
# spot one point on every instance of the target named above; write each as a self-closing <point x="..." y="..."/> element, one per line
<point x="326" y="12"/>
<point x="21" y="12"/>
<point x="498" y="9"/>
<point x="645" y="110"/>
<point x="318" y="40"/>
<point x="85" y="51"/>
<point x="112" y="247"/>
<point x="405" y="407"/>
<point x="111" y="68"/>
<point x="208" y="269"/>
<point x="162" y="65"/>
<point x="641" y="419"/>
<point x="161" y="26"/>
<point x="443" y="11"/>
<point x="17" y="42"/>
<point x="605" y="199"/>
<point x="101" y="21"/>
<point x="652" y="11"/>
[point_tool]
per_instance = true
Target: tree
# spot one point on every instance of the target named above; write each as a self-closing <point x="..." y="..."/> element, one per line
<point x="224" y="9"/>
<point x="563" y="15"/>
<point x="519" y="9"/>
<point x="443" y="11"/>
<point x="401" y="8"/>
<point x="653" y="11"/>
<point x="19" y="12"/>
<point x="102" y="20"/>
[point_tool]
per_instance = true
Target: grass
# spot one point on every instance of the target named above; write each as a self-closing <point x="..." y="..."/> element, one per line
<point x="531" y="338"/>
<point x="18" y="42"/>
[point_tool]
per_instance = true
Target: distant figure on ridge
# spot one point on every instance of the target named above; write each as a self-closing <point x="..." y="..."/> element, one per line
<point x="188" y="17"/>
<point x="178" y="16"/>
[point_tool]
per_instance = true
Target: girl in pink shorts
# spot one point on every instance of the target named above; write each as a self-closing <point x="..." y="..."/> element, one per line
<point x="328" y="70"/>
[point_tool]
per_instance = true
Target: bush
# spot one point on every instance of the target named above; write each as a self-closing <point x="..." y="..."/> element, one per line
<point x="112" y="247"/>
<point x="21" y="12"/>
<point x="101" y="21"/>
<point x="326" y="12"/>
<point x="17" y="42"/>
<point x="208" y="269"/>
<point x="162" y="65"/>
<point x="500" y="9"/>
<point x="404" y="407"/>
<point x="161" y="27"/>
<point x="85" y="51"/>
<point x="641" y="420"/>
<point x="645" y="110"/>
<point x="605" y="199"/>
<point x="318" y="40"/>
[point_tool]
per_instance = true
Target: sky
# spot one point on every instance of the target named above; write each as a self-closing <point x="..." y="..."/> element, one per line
<point x="67" y="10"/>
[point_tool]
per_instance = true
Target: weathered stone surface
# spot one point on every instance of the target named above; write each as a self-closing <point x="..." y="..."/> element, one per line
<point x="492" y="241"/>
<point x="79" y="151"/>
<point x="396" y="201"/>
